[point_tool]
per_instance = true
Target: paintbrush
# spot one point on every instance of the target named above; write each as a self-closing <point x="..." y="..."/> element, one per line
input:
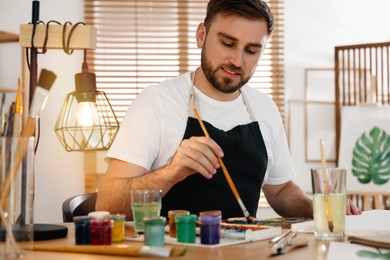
<point x="227" y="175"/>
<point x="328" y="211"/>
<point x="117" y="250"/>
<point x="46" y="81"/>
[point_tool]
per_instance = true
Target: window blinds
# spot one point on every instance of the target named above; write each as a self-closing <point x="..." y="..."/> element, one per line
<point x="141" y="42"/>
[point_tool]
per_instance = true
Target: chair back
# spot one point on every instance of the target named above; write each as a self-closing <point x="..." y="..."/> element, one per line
<point x="79" y="205"/>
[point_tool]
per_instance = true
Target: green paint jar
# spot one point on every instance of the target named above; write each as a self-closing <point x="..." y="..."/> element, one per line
<point x="185" y="228"/>
<point x="154" y="233"/>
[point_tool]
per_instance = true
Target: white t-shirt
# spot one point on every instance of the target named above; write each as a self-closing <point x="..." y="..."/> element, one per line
<point x="154" y="125"/>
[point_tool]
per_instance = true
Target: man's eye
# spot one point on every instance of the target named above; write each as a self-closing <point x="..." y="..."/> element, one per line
<point x="227" y="44"/>
<point x="251" y="51"/>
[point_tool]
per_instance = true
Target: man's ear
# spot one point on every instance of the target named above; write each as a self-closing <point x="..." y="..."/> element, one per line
<point x="200" y="35"/>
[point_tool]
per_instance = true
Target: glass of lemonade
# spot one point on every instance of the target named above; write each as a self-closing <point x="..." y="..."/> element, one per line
<point x="329" y="202"/>
<point x="145" y="204"/>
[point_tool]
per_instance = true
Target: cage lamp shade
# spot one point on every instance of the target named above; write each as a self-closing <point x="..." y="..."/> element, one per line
<point x="87" y="121"/>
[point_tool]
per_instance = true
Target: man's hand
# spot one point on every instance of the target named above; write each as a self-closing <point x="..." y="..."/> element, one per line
<point x="197" y="154"/>
<point x="352" y="209"/>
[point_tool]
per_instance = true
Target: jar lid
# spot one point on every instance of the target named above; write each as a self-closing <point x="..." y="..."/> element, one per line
<point x="211" y="212"/>
<point x="99" y="214"/>
<point x="100" y="223"/>
<point x="185" y="218"/>
<point x="118" y="217"/>
<point x="155" y="220"/>
<point x="174" y="212"/>
<point x="82" y="219"/>
<point x="209" y="219"/>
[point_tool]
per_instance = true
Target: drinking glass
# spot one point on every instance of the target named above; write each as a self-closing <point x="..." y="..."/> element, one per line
<point x="329" y="202"/>
<point x="16" y="194"/>
<point x="145" y="203"/>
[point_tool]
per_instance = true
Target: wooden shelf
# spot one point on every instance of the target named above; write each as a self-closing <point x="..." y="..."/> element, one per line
<point x="5" y="89"/>
<point x="6" y="37"/>
<point x="83" y="36"/>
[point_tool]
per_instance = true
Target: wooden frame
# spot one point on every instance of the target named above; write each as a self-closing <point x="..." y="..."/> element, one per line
<point x="306" y="122"/>
<point x="361" y="70"/>
<point x="322" y="98"/>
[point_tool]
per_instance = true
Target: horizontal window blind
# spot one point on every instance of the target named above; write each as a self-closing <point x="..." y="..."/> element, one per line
<point x="141" y="42"/>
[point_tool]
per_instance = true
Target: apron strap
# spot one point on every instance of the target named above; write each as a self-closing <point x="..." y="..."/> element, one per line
<point x="248" y="107"/>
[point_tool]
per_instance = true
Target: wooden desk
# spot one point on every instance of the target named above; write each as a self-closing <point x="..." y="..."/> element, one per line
<point x="253" y="250"/>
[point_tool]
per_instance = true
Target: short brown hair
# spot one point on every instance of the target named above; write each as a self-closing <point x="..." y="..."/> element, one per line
<point x="250" y="9"/>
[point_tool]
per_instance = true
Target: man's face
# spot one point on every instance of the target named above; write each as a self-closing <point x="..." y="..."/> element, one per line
<point x="231" y="50"/>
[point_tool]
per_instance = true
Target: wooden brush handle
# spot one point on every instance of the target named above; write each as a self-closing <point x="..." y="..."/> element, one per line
<point x="120" y="250"/>
<point x="130" y="250"/>
<point x="224" y="170"/>
<point x="229" y="179"/>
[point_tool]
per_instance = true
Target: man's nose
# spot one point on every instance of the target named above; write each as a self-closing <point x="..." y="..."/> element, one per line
<point x="236" y="57"/>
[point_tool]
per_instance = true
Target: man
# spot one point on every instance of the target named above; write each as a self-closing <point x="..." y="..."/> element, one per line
<point x="161" y="145"/>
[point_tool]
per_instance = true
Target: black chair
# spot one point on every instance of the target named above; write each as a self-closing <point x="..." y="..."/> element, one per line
<point x="79" y="205"/>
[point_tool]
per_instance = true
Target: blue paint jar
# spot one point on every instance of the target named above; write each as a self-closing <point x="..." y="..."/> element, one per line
<point x="154" y="232"/>
<point x="210" y="229"/>
<point x="82" y="232"/>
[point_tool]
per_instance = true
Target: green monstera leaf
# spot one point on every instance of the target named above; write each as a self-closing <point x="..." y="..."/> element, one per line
<point x="372" y="254"/>
<point x="371" y="157"/>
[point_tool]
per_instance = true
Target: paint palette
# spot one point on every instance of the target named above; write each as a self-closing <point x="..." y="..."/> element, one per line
<point x="231" y="234"/>
<point x="274" y="222"/>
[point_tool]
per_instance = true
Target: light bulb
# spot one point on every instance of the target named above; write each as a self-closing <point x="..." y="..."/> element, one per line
<point x="86" y="114"/>
<point x="88" y="118"/>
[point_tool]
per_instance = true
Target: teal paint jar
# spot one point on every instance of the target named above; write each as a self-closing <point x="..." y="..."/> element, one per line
<point x="154" y="232"/>
<point x="185" y="228"/>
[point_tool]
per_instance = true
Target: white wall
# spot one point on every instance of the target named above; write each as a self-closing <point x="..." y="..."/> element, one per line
<point x="59" y="174"/>
<point x="312" y="29"/>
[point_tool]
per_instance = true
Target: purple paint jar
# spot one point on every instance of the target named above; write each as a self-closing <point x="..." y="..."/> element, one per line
<point x="210" y="228"/>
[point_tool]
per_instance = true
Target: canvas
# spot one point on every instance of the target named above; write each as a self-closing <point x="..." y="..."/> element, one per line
<point x="365" y="147"/>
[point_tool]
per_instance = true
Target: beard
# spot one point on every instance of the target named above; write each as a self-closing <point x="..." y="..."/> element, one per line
<point x="225" y="85"/>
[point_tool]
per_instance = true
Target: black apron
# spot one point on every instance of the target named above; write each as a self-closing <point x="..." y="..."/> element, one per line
<point x="245" y="158"/>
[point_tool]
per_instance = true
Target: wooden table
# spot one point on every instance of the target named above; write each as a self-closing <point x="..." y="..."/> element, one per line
<point x="251" y="250"/>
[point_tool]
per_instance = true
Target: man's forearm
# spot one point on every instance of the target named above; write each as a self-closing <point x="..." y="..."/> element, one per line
<point x="289" y="200"/>
<point x="114" y="191"/>
<point x="297" y="205"/>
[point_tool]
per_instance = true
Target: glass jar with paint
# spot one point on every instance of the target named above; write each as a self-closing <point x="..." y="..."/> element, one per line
<point x="154" y="232"/>
<point x="171" y="220"/>
<point x="185" y="228"/>
<point x="82" y="231"/>
<point x="118" y="227"/>
<point x="210" y="229"/>
<point x="100" y="231"/>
